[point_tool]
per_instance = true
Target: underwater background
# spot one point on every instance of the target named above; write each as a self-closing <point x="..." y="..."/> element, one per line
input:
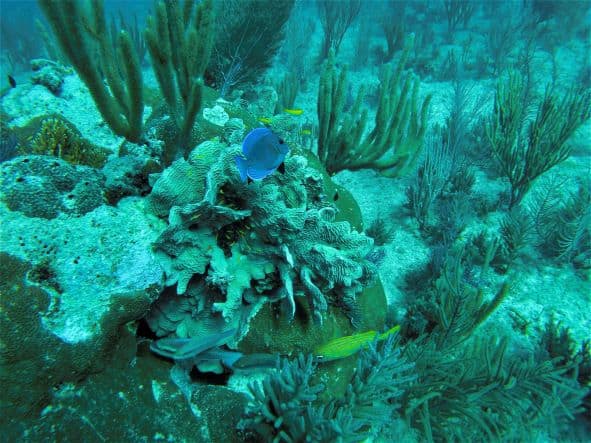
<point x="295" y="221"/>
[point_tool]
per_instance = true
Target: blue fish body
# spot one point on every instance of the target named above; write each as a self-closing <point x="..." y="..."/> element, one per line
<point x="263" y="152"/>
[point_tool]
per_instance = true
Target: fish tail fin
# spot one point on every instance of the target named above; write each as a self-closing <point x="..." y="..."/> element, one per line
<point x="241" y="164"/>
<point x="389" y="332"/>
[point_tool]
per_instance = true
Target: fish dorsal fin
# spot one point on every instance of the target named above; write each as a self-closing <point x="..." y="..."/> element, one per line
<point x="253" y="138"/>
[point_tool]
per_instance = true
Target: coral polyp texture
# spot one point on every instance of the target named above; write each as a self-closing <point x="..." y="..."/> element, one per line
<point x="232" y="246"/>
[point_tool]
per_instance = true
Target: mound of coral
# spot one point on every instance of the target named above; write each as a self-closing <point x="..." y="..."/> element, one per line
<point x="231" y="246"/>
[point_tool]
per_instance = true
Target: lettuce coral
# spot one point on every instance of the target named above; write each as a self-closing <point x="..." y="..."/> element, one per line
<point x="235" y="246"/>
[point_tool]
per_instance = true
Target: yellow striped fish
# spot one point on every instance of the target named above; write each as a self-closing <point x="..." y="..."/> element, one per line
<point x="294" y="111"/>
<point x="351" y="344"/>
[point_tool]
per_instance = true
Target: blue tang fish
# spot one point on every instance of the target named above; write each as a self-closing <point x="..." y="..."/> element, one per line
<point x="263" y="152"/>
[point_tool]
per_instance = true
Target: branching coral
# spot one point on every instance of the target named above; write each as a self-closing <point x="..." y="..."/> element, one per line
<point x="179" y="43"/>
<point x="336" y="19"/>
<point x="475" y="393"/>
<point x="280" y="409"/>
<point x="526" y="150"/>
<point x="248" y="34"/>
<point x="284" y="406"/>
<point x="82" y="35"/>
<point x="396" y="139"/>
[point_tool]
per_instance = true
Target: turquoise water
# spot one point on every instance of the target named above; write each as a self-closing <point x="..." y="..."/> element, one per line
<point x="330" y="221"/>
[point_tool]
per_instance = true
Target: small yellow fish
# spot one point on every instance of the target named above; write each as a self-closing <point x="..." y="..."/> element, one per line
<point x="294" y="111"/>
<point x="265" y="120"/>
<point x="306" y="132"/>
<point x="345" y="346"/>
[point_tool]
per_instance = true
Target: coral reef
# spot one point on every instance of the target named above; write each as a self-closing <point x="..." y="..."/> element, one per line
<point x="57" y="138"/>
<point x="82" y="35"/>
<point x="232" y="246"/>
<point x="73" y="280"/>
<point x="66" y="305"/>
<point x="248" y="34"/>
<point x="394" y="143"/>
<point x="41" y="186"/>
<point x="49" y="74"/>
<point x="180" y="43"/>
<point x="128" y="394"/>
<point x="127" y="175"/>
<point x="85" y="257"/>
<point x="8" y="142"/>
<point x="430" y="382"/>
<point x="150" y="292"/>
<point x="285" y="406"/>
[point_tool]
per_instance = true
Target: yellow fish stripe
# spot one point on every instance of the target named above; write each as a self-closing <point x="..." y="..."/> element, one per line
<point x="265" y="120"/>
<point x="346" y="346"/>
<point x="294" y="111"/>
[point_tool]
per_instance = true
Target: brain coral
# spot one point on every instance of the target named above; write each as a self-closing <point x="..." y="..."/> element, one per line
<point x="44" y="187"/>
